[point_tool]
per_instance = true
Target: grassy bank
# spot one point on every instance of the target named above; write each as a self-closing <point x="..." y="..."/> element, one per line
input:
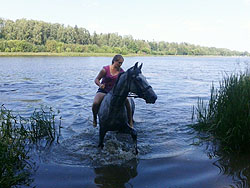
<point x="67" y="54"/>
<point x="226" y="117"/>
<point x="75" y="54"/>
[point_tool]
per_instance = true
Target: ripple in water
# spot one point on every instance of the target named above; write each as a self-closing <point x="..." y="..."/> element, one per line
<point x="82" y="150"/>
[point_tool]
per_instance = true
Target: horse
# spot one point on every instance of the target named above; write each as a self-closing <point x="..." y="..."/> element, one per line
<point x="112" y="113"/>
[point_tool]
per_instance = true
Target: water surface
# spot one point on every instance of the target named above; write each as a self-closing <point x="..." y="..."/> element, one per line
<point x="166" y="157"/>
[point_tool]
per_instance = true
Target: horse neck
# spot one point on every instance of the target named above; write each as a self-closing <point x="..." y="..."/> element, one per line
<point x="120" y="91"/>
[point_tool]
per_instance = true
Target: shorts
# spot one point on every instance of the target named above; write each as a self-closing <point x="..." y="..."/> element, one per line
<point x="101" y="91"/>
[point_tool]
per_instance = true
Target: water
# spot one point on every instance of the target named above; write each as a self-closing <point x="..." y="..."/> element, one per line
<point x="67" y="84"/>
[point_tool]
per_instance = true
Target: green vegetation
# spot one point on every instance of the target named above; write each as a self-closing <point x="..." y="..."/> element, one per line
<point x="37" y="36"/>
<point x="14" y="165"/>
<point x="60" y="54"/>
<point x="42" y="125"/>
<point x="226" y="117"/>
<point x="17" y="136"/>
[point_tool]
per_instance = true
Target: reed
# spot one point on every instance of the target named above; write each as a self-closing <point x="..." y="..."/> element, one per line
<point x="17" y="137"/>
<point x="14" y="165"/>
<point x="42" y="125"/>
<point x="226" y="117"/>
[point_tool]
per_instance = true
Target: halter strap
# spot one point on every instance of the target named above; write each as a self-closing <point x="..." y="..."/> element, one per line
<point x="143" y="90"/>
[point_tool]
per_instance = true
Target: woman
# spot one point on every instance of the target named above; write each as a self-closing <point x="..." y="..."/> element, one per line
<point x="106" y="80"/>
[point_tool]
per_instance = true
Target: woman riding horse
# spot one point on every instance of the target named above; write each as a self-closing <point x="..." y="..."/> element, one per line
<point x="106" y="80"/>
<point x="112" y="112"/>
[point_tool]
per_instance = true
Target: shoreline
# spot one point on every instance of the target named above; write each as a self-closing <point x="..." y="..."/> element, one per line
<point x="74" y="54"/>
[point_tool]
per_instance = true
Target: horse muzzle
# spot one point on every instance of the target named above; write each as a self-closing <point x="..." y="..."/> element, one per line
<point x="150" y="97"/>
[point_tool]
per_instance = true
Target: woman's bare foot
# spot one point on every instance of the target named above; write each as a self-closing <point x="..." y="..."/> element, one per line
<point x="94" y="122"/>
<point x="131" y="124"/>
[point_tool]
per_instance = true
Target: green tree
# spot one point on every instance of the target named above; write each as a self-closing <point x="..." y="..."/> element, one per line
<point x="51" y="46"/>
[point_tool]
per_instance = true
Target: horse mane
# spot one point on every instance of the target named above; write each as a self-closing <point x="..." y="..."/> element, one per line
<point x="117" y="80"/>
<point x="128" y="71"/>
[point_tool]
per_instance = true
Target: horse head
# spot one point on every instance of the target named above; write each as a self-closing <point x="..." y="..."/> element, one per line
<point x="139" y="85"/>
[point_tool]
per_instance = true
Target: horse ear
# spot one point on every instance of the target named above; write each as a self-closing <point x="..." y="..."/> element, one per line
<point x="136" y="65"/>
<point x="140" y="66"/>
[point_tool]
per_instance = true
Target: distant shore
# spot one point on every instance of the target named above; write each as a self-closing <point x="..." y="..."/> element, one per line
<point x="67" y="54"/>
<point x="75" y="54"/>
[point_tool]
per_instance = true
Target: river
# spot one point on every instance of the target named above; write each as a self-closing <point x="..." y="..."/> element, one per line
<point x="167" y="156"/>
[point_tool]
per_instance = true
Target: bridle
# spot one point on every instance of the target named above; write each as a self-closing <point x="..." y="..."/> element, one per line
<point x="140" y="89"/>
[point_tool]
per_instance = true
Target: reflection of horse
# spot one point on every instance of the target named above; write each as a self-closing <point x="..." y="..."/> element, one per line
<point x="116" y="175"/>
<point x="112" y="112"/>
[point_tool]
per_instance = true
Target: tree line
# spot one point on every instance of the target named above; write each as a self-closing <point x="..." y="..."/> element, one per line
<point x="38" y="36"/>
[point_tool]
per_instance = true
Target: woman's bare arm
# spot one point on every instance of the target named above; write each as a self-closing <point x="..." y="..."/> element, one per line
<point x="101" y="74"/>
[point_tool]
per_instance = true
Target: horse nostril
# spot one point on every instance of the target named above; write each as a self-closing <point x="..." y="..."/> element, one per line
<point x="153" y="98"/>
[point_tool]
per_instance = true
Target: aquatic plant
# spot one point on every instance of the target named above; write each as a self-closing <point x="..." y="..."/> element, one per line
<point x="42" y="125"/>
<point x="14" y="158"/>
<point x="226" y="117"/>
<point x="17" y="136"/>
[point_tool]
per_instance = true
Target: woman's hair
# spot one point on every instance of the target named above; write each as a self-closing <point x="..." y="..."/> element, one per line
<point x="117" y="58"/>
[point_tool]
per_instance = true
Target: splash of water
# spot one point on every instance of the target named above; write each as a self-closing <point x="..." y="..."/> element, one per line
<point x="81" y="150"/>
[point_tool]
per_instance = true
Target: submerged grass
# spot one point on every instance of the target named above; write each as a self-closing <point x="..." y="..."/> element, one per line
<point x="17" y="136"/>
<point x="226" y="117"/>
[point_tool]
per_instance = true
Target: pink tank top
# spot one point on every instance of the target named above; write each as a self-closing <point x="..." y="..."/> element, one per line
<point x="109" y="80"/>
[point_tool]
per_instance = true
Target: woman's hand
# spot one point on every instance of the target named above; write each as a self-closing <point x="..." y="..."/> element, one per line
<point x="102" y="86"/>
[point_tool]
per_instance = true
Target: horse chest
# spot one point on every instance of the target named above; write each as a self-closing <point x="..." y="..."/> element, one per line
<point x="111" y="114"/>
<point x="116" y="117"/>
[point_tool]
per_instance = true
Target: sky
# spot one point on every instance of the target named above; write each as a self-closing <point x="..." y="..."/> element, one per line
<point x="211" y="23"/>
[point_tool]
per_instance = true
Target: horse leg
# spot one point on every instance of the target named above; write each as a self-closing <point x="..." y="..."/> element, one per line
<point x="102" y="133"/>
<point x="133" y="134"/>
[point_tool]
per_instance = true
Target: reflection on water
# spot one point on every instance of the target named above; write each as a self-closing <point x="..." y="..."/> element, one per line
<point x="231" y="164"/>
<point x="238" y="167"/>
<point x="116" y="176"/>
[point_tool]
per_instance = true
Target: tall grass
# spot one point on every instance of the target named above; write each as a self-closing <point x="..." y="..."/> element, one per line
<point x="226" y="117"/>
<point x="14" y="165"/>
<point x="42" y="125"/>
<point x="17" y="136"/>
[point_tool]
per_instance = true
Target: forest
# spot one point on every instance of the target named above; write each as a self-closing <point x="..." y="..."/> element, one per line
<point x="25" y="35"/>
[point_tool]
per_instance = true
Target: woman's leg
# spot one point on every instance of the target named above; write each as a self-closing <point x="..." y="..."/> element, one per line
<point x="129" y="113"/>
<point x="96" y="104"/>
